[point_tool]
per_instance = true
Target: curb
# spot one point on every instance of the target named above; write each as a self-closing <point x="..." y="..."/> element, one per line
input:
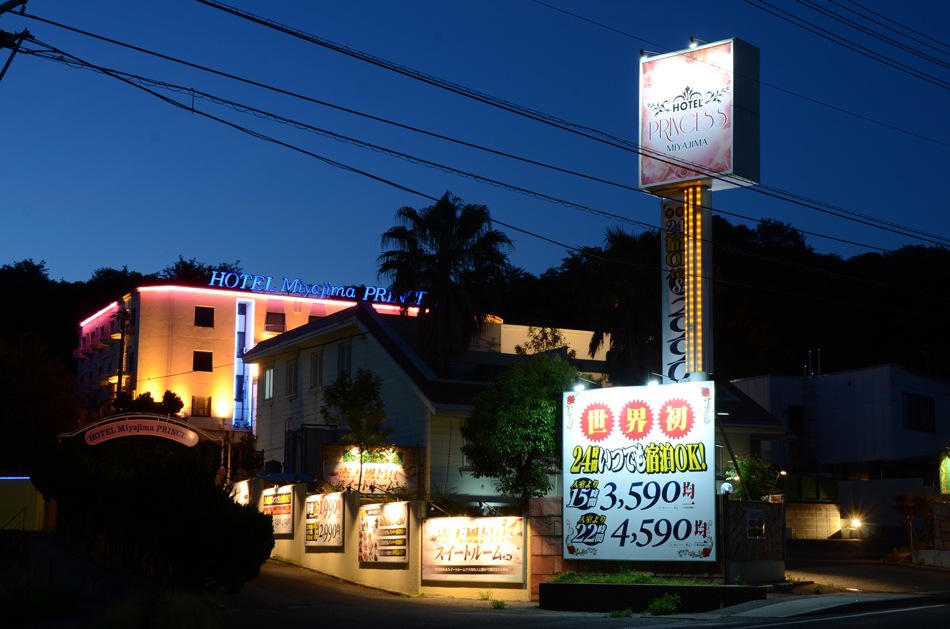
<point x="911" y="600"/>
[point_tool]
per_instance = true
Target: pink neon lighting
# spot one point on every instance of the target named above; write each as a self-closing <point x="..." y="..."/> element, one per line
<point x="245" y="295"/>
<point x="114" y="304"/>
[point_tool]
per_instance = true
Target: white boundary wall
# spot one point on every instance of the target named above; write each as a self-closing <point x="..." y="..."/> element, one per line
<point x="401" y="578"/>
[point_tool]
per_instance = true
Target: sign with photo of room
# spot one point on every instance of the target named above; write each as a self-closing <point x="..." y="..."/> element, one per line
<point x="384" y="533"/>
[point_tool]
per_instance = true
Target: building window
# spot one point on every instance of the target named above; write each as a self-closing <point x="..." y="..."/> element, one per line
<point x="202" y="361"/>
<point x="204" y="317"/>
<point x="313" y="318"/>
<point x="344" y="358"/>
<point x="269" y="383"/>
<point x="201" y="406"/>
<point x="316" y="370"/>
<point x="131" y="317"/>
<point x="130" y="363"/>
<point x="919" y="413"/>
<point x="274" y="322"/>
<point x="290" y="387"/>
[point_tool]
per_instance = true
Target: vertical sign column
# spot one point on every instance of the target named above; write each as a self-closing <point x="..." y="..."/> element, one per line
<point x="687" y="285"/>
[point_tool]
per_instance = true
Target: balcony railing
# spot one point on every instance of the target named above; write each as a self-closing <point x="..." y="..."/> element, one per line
<point x="275" y="328"/>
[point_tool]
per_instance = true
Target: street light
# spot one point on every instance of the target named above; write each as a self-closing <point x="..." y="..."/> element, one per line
<point x="579" y="383"/>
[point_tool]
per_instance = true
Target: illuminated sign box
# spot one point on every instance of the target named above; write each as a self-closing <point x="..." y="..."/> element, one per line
<point x="639" y="473"/>
<point x="384" y="533"/>
<point x="699" y="116"/>
<point x="473" y="549"/>
<point x="393" y="469"/>
<point x="324" y="520"/>
<point x="278" y="502"/>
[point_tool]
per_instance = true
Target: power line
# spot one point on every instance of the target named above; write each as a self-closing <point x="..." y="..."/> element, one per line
<point x="804" y="200"/>
<point x="841" y="41"/>
<point x="907" y="28"/>
<point x="588" y="132"/>
<point x="868" y="31"/>
<point x="759" y="81"/>
<point x="412" y="159"/>
<point x="431" y="198"/>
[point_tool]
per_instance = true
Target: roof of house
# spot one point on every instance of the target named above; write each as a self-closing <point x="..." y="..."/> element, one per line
<point x="440" y="392"/>
<point x="735" y="409"/>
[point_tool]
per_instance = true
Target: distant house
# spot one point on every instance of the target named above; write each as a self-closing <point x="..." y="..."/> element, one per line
<point x="873" y="433"/>
<point x="872" y="423"/>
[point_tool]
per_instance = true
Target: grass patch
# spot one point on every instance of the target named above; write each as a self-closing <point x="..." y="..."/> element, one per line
<point x="628" y="578"/>
<point x="496" y="604"/>
<point x="665" y="605"/>
<point x="485" y="596"/>
<point x="618" y="613"/>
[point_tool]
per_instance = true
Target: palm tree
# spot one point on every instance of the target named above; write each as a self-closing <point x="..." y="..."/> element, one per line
<point x="621" y="287"/>
<point x="450" y="251"/>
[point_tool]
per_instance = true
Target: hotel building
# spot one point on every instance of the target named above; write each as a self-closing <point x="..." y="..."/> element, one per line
<point x="191" y="341"/>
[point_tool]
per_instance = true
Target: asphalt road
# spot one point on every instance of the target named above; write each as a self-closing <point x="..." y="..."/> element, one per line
<point x="286" y="596"/>
<point x="856" y="565"/>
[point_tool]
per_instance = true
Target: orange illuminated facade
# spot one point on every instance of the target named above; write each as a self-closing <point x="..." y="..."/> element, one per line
<point x="191" y="341"/>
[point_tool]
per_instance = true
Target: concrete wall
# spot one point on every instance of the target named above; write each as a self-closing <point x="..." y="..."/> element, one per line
<point x="391" y="577"/>
<point x="755" y="559"/>
<point x="18" y="495"/>
<point x="874" y="499"/>
<point x="940" y="554"/>
<point x="813" y="520"/>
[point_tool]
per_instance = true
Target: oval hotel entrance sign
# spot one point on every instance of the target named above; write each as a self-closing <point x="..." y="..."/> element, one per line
<point x="142" y="427"/>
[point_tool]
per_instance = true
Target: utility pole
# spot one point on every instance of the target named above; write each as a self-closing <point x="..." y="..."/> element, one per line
<point x="6" y="39"/>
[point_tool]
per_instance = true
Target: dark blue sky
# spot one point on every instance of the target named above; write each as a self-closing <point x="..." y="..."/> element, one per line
<point x="97" y="173"/>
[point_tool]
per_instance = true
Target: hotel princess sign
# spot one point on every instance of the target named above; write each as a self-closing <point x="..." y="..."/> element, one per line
<point x="699" y="117"/>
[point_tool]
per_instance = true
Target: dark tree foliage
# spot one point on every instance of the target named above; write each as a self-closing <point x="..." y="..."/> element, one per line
<point x="164" y="517"/>
<point x="39" y="402"/>
<point x="514" y="433"/>
<point x="357" y="404"/>
<point x="194" y="273"/>
<point x="449" y="250"/>
<point x="170" y="404"/>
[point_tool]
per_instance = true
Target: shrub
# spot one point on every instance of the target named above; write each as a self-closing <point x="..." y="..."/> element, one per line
<point x="665" y="605"/>
<point x="159" y="496"/>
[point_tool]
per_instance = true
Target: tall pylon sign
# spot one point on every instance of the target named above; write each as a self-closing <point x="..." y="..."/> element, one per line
<point x="699" y="132"/>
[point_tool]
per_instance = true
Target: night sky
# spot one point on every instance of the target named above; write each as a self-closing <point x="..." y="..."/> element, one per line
<point x="99" y="173"/>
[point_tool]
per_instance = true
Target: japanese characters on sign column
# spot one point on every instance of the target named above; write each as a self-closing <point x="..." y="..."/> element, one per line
<point x="639" y="477"/>
<point x="473" y="549"/>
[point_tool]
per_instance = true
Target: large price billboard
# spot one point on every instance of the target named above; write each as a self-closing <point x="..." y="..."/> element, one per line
<point x="639" y="473"/>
